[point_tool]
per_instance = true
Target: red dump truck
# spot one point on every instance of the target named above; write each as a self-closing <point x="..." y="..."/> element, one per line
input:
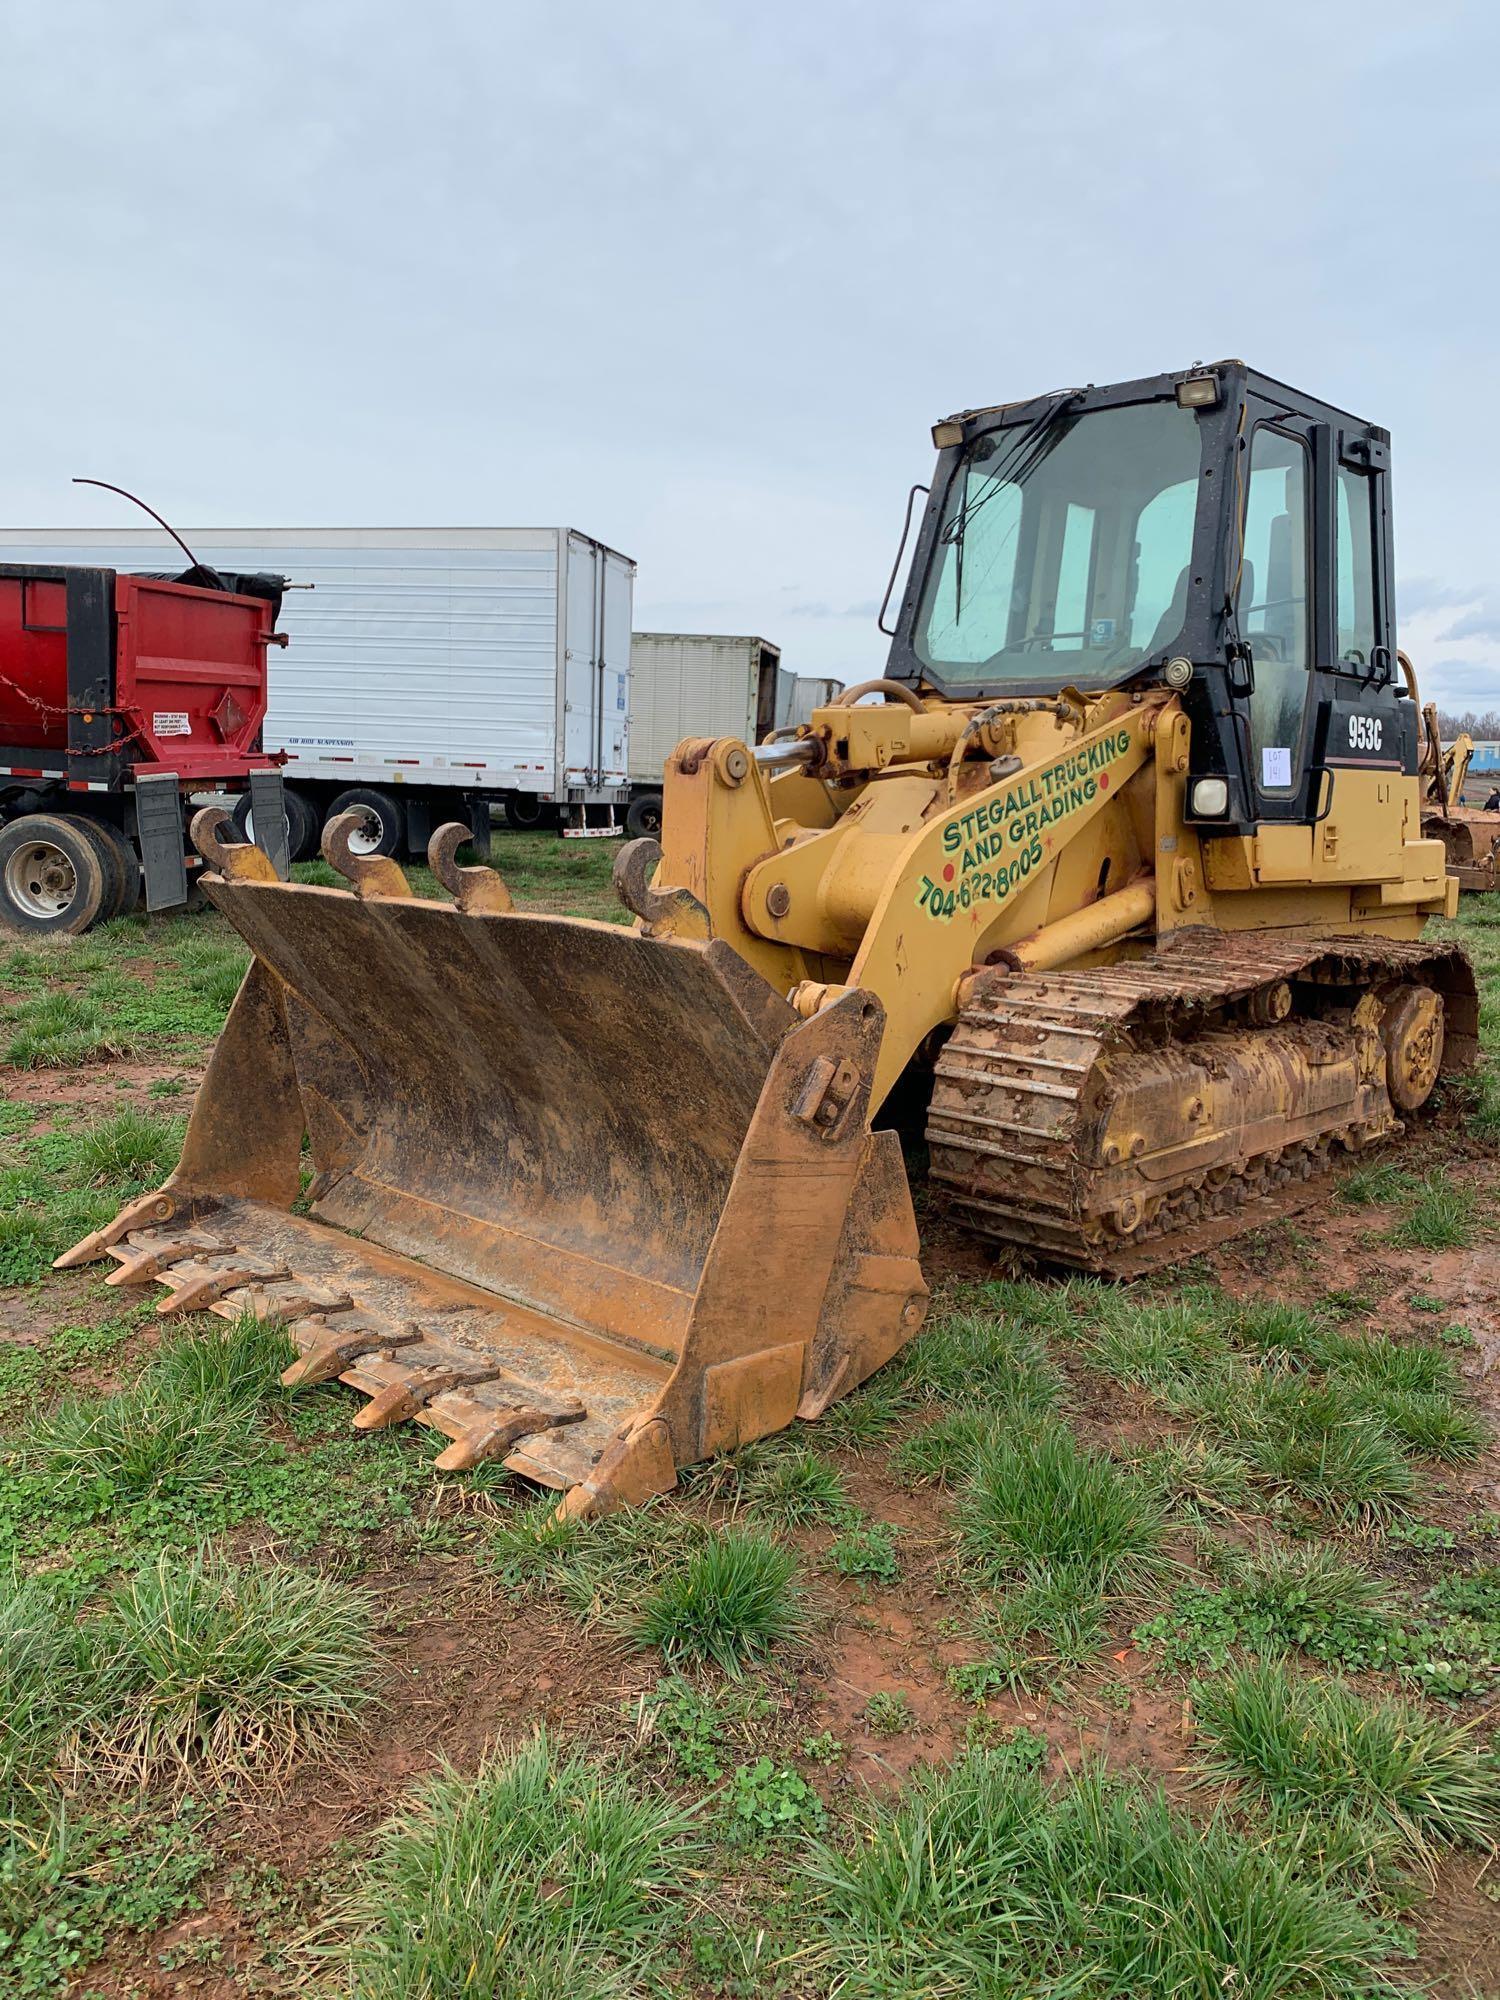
<point x="121" y="696"/>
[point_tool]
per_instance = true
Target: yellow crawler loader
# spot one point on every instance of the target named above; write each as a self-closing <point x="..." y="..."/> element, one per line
<point x="1470" y="837"/>
<point x="1118" y="871"/>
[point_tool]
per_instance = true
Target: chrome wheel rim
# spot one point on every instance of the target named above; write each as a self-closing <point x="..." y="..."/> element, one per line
<point x="40" y="880"/>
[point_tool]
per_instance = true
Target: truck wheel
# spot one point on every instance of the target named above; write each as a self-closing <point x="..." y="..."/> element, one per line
<point x="302" y="826"/>
<point x="526" y="813"/>
<point x="644" y="816"/>
<point x="122" y="872"/>
<point x="304" y="829"/>
<point x="51" y="875"/>
<point x="384" y="827"/>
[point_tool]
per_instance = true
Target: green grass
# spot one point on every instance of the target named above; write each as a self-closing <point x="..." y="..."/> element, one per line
<point x="74" y="1880"/>
<point x="1442" y="1218"/>
<point x="59" y="1185"/>
<point x="975" y="1355"/>
<point x="200" y="1439"/>
<point x="795" y="1486"/>
<point x="1443" y="1641"/>
<point x="1040" y="1500"/>
<point x="1151" y="1343"/>
<point x="547" y="1877"/>
<point x="204" y="1666"/>
<point x="982" y="1879"/>
<point x="42" y="1660"/>
<point x="734" y="1599"/>
<point x="1314" y="1747"/>
<point x="181" y="1423"/>
<point x="941" y="1452"/>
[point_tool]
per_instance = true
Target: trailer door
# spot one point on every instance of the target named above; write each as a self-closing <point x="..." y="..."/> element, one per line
<point x="596" y="670"/>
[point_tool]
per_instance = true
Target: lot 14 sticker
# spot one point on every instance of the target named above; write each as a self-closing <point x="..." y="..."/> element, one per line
<point x="995" y="846"/>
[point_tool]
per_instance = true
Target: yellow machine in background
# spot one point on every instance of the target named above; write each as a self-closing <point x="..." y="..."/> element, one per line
<point x="1470" y="837"/>
<point x="1117" y="873"/>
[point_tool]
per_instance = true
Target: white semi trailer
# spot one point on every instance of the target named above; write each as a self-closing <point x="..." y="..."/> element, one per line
<point x="704" y="684"/>
<point x="429" y="673"/>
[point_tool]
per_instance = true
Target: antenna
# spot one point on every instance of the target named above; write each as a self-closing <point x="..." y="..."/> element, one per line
<point x="135" y="500"/>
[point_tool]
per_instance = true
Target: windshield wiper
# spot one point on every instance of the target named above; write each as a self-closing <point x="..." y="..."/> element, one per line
<point x="1024" y="455"/>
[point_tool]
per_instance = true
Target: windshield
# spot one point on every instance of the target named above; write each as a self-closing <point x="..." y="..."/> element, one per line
<point x="1072" y="535"/>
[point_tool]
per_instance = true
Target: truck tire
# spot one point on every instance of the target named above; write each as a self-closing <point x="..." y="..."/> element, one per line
<point x="303" y="827"/>
<point x="643" y="819"/>
<point x="384" y="829"/>
<point x="51" y="875"/>
<point x="526" y="813"/>
<point x="122" y="872"/>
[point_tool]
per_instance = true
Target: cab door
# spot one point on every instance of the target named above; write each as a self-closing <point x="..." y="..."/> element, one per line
<point x="1273" y="567"/>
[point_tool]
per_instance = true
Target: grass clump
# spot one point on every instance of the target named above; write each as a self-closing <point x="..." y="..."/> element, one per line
<point x="1152" y="1343"/>
<point x="58" y="1030"/>
<point x="546" y="1878"/>
<point x="131" y="1149"/>
<point x="944" y="1451"/>
<point x="1042" y="1500"/>
<point x="972" y="1357"/>
<point x="185" y="1418"/>
<point x="205" y="1665"/>
<point x="1315" y="1439"/>
<point x="1375" y="1183"/>
<point x="795" y="1487"/>
<point x="1442" y="1218"/>
<point x="731" y="1602"/>
<point x="1314" y="1748"/>
<point x="983" y="1879"/>
<point x="43" y="1680"/>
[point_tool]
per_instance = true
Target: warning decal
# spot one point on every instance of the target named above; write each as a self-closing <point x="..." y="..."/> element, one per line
<point x="171" y="722"/>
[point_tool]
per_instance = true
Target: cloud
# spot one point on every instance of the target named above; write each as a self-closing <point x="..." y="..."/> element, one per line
<point x="1483" y="623"/>
<point x="1416" y="594"/>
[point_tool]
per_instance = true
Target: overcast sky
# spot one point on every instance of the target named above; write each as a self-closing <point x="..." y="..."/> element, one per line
<point x="697" y="277"/>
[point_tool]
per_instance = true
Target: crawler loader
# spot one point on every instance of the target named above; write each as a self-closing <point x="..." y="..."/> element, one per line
<point x="1118" y="871"/>
<point x="1470" y="837"/>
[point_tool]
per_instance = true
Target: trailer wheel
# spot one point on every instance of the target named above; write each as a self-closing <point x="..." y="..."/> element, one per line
<point x="303" y="827"/>
<point x="122" y="872"/>
<point x="644" y="816"/>
<point x="526" y="813"/>
<point x="384" y="827"/>
<point x="51" y="875"/>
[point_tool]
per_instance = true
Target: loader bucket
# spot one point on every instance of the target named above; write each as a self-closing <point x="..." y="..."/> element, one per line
<point x="589" y="1200"/>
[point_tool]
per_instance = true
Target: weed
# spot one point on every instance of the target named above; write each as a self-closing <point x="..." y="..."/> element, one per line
<point x="71" y="1882"/>
<point x="824" y="1748"/>
<point x="732" y="1600"/>
<point x="868" y="1551"/>
<point x="763" y="1799"/>
<point x="983" y="1879"/>
<point x="693" y="1729"/>
<point x="890" y="1713"/>
<point x="1317" y="1748"/>
<point x="1194" y="1469"/>
<point x="57" y="1030"/>
<point x="545" y="1878"/>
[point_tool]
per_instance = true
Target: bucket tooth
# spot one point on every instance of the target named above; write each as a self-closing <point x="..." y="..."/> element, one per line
<point x="147" y="1256"/>
<point x="206" y="1288"/>
<point x="412" y="1390"/>
<point x="497" y="1431"/>
<point x="294" y="1298"/>
<point x="328" y="1350"/>
<point x="165" y="1205"/>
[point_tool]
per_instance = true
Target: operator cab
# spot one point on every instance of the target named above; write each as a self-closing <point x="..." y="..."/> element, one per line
<point x="1210" y="529"/>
